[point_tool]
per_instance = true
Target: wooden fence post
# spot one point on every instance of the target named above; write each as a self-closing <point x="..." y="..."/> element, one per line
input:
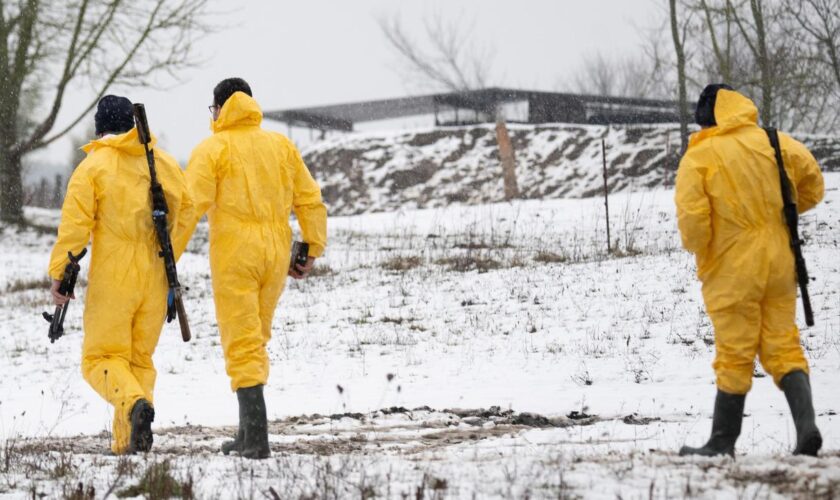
<point x="606" y="193"/>
<point x="508" y="159"/>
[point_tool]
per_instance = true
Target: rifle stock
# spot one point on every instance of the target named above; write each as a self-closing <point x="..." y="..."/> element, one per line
<point x="186" y="335"/>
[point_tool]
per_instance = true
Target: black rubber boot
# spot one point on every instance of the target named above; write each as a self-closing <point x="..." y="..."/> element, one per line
<point x="797" y="389"/>
<point x="236" y="444"/>
<point x="726" y="427"/>
<point x="254" y="423"/>
<point x="142" y="416"/>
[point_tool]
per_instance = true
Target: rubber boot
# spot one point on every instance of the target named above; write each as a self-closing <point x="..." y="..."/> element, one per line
<point x="726" y="427"/>
<point x="254" y="423"/>
<point x="797" y="389"/>
<point x="142" y="416"/>
<point x="236" y="444"/>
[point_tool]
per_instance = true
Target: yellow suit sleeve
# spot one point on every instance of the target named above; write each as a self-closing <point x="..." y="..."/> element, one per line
<point x="308" y="206"/>
<point x="185" y="224"/>
<point x="201" y="188"/>
<point x="693" y="207"/>
<point x="806" y="175"/>
<point x="78" y="216"/>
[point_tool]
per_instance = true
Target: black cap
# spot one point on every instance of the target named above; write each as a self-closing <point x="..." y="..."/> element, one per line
<point x="227" y="88"/>
<point x="704" y="115"/>
<point x="114" y="114"/>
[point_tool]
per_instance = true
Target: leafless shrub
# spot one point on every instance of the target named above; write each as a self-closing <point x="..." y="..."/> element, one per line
<point x="402" y="263"/>
<point x="582" y="376"/>
<point x="466" y="263"/>
<point x="158" y="482"/>
<point x="431" y="487"/>
<point x="320" y="271"/>
<point x="545" y="257"/>
<point x="79" y="492"/>
<point x="20" y="285"/>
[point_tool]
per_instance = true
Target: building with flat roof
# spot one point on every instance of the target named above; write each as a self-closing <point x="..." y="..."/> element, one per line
<point x="483" y="106"/>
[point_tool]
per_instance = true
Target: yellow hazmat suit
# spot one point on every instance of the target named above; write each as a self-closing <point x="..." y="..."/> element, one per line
<point x="108" y="199"/>
<point x="729" y="209"/>
<point x="249" y="180"/>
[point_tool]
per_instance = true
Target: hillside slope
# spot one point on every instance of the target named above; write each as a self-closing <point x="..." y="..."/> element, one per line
<point x="362" y="173"/>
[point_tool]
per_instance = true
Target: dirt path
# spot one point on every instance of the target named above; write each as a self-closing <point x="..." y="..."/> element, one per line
<point x="396" y="428"/>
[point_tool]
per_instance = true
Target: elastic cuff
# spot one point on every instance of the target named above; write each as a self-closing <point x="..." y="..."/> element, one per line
<point x="316" y="250"/>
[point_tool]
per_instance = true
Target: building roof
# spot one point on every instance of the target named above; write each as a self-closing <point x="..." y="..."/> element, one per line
<point x="543" y="107"/>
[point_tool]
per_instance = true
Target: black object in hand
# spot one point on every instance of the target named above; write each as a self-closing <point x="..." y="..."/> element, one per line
<point x="300" y="254"/>
<point x="66" y="288"/>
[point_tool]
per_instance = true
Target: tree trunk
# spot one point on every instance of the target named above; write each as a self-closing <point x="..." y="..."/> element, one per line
<point x="508" y="159"/>
<point x="763" y="64"/>
<point x="683" y="98"/>
<point x="11" y="188"/>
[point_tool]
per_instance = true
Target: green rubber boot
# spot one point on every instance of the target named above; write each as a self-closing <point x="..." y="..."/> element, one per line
<point x="254" y="423"/>
<point x="726" y="427"/>
<point x="142" y="416"/>
<point x="797" y="389"/>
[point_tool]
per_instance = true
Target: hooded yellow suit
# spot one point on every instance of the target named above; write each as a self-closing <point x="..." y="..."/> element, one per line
<point x="249" y="180"/>
<point x="108" y="200"/>
<point x="729" y="210"/>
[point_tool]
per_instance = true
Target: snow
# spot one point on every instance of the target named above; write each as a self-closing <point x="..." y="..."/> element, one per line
<point x="515" y="305"/>
<point x="433" y="167"/>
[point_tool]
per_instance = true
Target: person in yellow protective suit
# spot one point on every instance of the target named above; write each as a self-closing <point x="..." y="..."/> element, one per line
<point x="108" y="199"/>
<point x="729" y="210"/>
<point x="249" y="180"/>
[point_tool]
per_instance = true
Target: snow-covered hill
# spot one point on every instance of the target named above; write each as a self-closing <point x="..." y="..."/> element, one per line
<point x="434" y="168"/>
<point x="423" y="317"/>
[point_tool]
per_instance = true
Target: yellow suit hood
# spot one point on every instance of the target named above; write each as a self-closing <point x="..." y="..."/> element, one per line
<point x="732" y="110"/>
<point x="240" y="110"/>
<point x="128" y="143"/>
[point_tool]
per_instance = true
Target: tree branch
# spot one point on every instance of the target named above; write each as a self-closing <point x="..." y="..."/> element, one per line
<point x="36" y="142"/>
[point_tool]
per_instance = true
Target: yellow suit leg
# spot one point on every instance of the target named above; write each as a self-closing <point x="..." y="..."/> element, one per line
<point x="737" y="330"/>
<point x="780" y="352"/>
<point x="146" y="330"/>
<point x="236" y="294"/>
<point x="270" y="293"/>
<point x="106" y="358"/>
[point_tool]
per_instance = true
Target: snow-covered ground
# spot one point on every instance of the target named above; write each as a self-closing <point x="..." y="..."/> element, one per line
<point x="386" y="366"/>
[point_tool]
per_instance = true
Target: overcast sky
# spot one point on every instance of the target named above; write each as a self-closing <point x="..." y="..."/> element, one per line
<point x="300" y="53"/>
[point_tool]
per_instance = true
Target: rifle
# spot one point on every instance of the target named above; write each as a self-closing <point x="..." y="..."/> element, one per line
<point x="68" y="283"/>
<point x="174" y="300"/>
<point x="792" y="219"/>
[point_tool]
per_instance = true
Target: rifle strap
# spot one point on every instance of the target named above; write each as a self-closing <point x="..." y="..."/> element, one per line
<point x="784" y="181"/>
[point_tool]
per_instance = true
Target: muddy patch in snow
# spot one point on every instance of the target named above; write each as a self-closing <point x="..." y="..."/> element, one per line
<point x="396" y="428"/>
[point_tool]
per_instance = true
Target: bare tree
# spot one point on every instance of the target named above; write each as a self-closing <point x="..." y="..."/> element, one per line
<point x="820" y="21"/>
<point x="447" y="58"/>
<point x="48" y="45"/>
<point x="678" y="33"/>
<point x="630" y="76"/>
<point x="757" y="42"/>
<point x="721" y="43"/>
<point x="761" y="49"/>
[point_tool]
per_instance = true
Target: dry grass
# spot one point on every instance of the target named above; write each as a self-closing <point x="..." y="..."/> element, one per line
<point x="402" y="263"/>
<point x="466" y="263"/>
<point x="546" y="257"/>
<point x="22" y="285"/>
<point x="158" y="482"/>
